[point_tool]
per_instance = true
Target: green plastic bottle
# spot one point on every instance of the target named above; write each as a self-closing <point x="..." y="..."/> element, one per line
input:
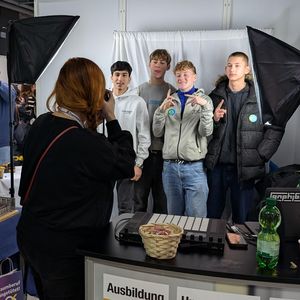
<point x="268" y="241"/>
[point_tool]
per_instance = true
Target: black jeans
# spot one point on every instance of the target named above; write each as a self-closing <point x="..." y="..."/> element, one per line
<point x="221" y="179"/>
<point x="151" y="179"/>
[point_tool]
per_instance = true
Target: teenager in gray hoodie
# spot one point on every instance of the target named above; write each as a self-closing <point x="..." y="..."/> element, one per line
<point x="184" y="119"/>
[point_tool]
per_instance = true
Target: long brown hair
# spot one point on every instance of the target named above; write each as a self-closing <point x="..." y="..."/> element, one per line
<point x="80" y="87"/>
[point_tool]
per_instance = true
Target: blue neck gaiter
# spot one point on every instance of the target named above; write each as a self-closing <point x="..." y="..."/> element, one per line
<point x="183" y="98"/>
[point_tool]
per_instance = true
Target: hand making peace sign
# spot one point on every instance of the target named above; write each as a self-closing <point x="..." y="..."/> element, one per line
<point x="219" y="111"/>
<point x="168" y="102"/>
<point x="195" y="99"/>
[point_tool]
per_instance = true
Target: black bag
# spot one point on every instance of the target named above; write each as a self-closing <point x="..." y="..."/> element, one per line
<point x="287" y="176"/>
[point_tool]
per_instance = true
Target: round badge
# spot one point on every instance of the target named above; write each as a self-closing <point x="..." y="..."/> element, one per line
<point x="171" y="112"/>
<point x="253" y="118"/>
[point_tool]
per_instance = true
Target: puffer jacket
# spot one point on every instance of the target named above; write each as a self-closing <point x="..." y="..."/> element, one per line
<point x="256" y="142"/>
<point x="184" y="137"/>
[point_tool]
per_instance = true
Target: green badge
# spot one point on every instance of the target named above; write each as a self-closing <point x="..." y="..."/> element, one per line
<point x="253" y="118"/>
<point x="171" y="112"/>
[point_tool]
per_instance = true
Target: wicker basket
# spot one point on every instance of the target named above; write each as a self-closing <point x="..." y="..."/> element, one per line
<point x="160" y="245"/>
<point x="2" y="168"/>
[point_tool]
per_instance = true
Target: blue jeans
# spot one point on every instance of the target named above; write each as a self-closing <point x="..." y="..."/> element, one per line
<point x="186" y="188"/>
<point x="221" y="179"/>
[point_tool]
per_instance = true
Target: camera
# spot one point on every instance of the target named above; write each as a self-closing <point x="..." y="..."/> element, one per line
<point x="107" y="95"/>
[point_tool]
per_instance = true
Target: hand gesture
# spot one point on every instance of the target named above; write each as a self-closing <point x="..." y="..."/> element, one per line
<point x="195" y="99"/>
<point x="168" y="102"/>
<point x="219" y="111"/>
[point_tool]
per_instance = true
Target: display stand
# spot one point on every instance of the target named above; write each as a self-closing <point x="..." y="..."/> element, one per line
<point x="112" y="269"/>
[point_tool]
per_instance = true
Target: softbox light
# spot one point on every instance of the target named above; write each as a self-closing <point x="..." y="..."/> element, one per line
<point x="32" y="43"/>
<point x="276" y="66"/>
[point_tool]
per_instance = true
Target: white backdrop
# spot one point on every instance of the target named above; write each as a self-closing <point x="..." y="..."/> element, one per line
<point x="93" y="35"/>
<point x="208" y="50"/>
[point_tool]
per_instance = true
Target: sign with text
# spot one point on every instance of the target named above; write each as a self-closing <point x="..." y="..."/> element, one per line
<point x="11" y="286"/>
<point x="281" y="298"/>
<point x="123" y="288"/>
<point x="196" y="294"/>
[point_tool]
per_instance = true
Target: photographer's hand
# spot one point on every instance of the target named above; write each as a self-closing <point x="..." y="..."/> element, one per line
<point x="109" y="108"/>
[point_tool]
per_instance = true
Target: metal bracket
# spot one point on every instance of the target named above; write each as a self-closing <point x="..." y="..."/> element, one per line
<point x="226" y="14"/>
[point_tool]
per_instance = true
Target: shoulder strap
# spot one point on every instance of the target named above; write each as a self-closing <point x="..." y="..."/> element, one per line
<point x="41" y="158"/>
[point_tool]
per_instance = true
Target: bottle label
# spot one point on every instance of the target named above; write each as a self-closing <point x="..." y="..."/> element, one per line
<point x="268" y="248"/>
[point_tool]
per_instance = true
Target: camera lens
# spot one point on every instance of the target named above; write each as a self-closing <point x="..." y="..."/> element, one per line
<point x="106" y="95"/>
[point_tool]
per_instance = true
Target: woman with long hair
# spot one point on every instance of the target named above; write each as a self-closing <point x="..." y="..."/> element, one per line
<point x="68" y="176"/>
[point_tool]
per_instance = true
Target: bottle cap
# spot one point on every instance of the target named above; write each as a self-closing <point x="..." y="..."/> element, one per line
<point x="271" y="201"/>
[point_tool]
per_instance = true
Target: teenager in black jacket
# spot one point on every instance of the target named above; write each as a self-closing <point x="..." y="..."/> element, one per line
<point x="240" y="145"/>
<point x="71" y="196"/>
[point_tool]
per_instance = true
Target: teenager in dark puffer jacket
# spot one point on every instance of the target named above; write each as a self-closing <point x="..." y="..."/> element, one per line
<point x="240" y="145"/>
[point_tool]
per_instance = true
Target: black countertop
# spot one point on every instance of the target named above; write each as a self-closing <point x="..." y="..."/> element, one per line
<point x="233" y="263"/>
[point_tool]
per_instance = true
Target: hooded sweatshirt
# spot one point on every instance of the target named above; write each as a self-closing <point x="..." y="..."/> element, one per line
<point x="132" y="114"/>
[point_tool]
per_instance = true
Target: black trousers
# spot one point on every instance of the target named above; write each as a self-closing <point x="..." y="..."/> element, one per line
<point x="221" y="179"/>
<point x="57" y="269"/>
<point x="151" y="180"/>
<point x="125" y="191"/>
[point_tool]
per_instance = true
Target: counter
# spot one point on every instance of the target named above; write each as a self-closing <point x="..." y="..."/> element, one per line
<point x="233" y="273"/>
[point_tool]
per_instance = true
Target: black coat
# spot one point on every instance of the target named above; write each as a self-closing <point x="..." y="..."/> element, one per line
<point x="73" y="188"/>
<point x="255" y="142"/>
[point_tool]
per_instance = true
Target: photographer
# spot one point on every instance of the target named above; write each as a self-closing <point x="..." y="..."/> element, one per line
<point x="25" y="115"/>
<point x="68" y="176"/>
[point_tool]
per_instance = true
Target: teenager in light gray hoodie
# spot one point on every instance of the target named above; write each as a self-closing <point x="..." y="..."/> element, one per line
<point x="132" y="114"/>
<point x="185" y="121"/>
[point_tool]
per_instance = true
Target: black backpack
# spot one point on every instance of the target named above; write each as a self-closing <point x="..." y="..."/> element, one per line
<point x="287" y="176"/>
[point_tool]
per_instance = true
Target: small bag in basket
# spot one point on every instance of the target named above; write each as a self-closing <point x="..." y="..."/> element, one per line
<point x="161" y="240"/>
